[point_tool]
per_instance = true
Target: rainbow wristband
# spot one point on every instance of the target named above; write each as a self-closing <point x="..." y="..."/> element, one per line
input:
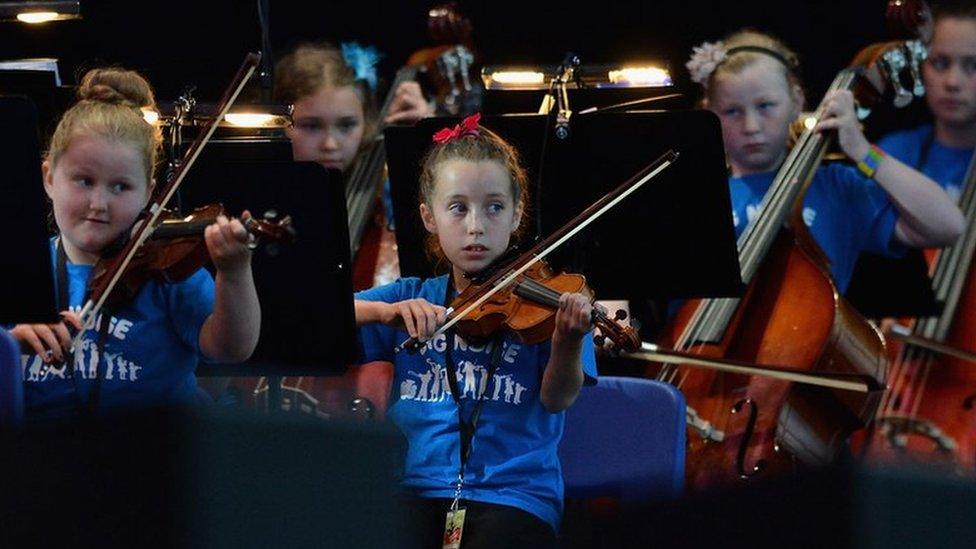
<point x="869" y="165"/>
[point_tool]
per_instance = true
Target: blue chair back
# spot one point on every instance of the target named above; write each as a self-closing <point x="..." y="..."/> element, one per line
<point x="11" y="383"/>
<point x="625" y="438"/>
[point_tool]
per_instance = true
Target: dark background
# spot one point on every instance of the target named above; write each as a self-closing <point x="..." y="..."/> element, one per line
<point x="179" y="42"/>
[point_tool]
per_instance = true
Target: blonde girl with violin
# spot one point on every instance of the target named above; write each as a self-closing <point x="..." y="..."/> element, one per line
<point x="943" y="149"/>
<point x="473" y="195"/>
<point x="98" y="174"/>
<point x="751" y="82"/>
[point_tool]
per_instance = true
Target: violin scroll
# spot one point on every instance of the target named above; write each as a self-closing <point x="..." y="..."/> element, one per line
<point x="272" y="229"/>
<point x="622" y="337"/>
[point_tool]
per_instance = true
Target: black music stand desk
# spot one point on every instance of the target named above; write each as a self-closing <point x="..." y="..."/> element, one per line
<point x="305" y="288"/>
<point x="26" y="273"/>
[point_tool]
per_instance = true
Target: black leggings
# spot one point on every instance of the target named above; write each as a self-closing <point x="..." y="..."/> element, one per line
<point x="486" y="525"/>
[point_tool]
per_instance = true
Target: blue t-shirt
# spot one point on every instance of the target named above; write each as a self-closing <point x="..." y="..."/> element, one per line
<point x="513" y="457"/>
<point x="846" y="214"/>
<point x="945" y="165"/>
<point x="151" y="350"/>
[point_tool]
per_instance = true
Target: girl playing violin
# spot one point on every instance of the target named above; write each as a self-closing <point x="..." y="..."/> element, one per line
<point x="943" y="150"/>
<point x="472" y="201"/>
<point x="98" y="174"/>
<point x="750" y="81"/>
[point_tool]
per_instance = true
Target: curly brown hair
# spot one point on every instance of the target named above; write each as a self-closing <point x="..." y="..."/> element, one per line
<point x="486" y="145"/>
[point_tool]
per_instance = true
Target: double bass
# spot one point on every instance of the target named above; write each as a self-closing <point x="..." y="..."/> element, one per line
<point x="928" y="415"/>
<point x="447" y="65"/>
<point x="749" y="427"/>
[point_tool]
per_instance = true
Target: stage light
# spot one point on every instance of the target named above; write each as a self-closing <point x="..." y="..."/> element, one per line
<point x="648" y="76"/>
<point x="151" y="116"/>
<point x="40" y="12"/>
<point x="240" y="116"/>
<point x="257" y="120"/>
<point x="642" y="75"/>
<point x="515" y="79"/>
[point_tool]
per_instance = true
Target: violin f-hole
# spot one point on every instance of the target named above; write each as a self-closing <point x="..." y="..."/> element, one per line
<point x="740" y="460"/>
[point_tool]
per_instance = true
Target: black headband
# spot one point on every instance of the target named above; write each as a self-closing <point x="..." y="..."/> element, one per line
<point x="759" y="49"/>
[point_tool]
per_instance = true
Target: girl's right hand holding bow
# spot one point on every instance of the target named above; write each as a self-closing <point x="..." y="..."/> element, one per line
<point x="418" y="317"/>
<point x="49" y="341"/>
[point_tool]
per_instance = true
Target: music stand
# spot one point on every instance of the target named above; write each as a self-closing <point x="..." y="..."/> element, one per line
<point x="44" y="89"/>
<point x="673" y="238"/>
<point x="26" y="275"/>
<point x="305" y="288"/>
<point x="888" y="287"/>
<point x="529" y="101"/>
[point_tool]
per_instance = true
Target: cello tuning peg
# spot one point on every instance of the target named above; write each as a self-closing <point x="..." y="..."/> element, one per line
<point x="599" y="340"/>
<point x="620" y="315"/>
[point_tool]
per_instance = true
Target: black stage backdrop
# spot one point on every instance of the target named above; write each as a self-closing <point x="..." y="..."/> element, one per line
<point x="201" y="42"/>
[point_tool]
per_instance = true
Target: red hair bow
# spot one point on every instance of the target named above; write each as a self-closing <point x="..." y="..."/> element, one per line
<point x="468" y="126"/>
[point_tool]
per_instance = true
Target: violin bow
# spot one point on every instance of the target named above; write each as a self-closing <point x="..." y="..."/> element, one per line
<point x="846" y="382"/>
<point x="503" y="278"/>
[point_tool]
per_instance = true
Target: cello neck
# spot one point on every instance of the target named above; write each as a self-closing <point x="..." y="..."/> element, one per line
<point x="951" y="269"/>
<point x="363" y="181"/>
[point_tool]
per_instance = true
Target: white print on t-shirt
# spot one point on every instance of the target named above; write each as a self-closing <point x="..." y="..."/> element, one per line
<point x="752" y="212"/>
<point x="809" y="216"/>
<point x="954" y="192"/>
<point x="87" y="358"/>
<point x="472" y="379"/>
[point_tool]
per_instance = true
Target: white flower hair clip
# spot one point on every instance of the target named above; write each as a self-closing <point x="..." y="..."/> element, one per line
<point x="704" y="60"/>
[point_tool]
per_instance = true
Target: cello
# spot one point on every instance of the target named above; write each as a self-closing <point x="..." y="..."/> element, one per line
<point x="928" y="415"/>
<point x="749" y="427"/>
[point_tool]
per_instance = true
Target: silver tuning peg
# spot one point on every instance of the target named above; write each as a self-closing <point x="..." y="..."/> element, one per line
<point x="916" y="53"/>
<point x="894" y="62"/>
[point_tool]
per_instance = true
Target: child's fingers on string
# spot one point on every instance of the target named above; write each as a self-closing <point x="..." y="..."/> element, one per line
<point x="236" y="232"/>
<point x="828" y="124"/>
<point x="215" y="236"/>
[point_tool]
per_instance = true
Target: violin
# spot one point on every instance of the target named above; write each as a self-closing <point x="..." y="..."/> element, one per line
<point x="115" y="270"/>
<point x="176" y="249"/>
<point x="523" y="295"/>
<point x="527" y="309"/>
